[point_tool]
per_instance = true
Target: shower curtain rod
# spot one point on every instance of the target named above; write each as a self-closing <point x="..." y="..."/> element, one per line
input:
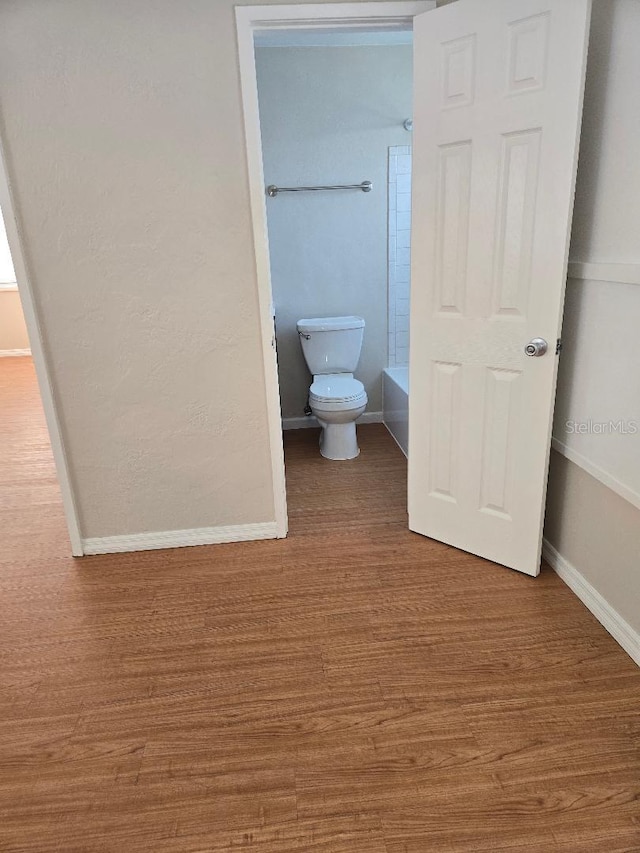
<point x="272" y="190"/>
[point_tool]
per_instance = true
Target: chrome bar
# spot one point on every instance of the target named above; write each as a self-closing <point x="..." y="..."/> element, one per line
<point x="272" y="190"/>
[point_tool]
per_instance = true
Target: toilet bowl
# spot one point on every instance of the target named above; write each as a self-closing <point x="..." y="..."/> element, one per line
<point x="331" y="347"/>
<point x="337" y="400"/>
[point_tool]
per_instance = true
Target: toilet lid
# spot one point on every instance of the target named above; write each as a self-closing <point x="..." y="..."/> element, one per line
<point x="335" y="386"/>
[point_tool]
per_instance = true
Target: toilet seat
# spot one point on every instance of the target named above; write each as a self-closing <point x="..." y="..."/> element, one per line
<point x="337" y="388"/>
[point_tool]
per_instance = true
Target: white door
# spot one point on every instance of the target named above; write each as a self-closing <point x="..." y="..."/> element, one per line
<point x="497" y="106"/>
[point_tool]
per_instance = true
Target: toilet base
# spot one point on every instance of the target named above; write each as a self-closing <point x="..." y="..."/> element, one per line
<point x="338" y="441"/>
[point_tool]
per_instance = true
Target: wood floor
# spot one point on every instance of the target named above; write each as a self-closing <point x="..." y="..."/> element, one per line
<point x="352" y="689"/>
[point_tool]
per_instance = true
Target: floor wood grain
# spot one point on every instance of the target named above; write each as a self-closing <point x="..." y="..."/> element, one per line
<point x="352" y="689"/>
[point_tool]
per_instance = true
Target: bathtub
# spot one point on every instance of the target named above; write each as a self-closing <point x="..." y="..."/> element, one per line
<point x="395" y="404"/>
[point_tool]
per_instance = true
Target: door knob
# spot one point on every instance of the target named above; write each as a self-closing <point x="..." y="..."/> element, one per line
<point x="536" y="347"/>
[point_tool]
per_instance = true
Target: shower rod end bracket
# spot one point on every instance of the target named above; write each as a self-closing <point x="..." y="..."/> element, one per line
<point x="272" y="190"/>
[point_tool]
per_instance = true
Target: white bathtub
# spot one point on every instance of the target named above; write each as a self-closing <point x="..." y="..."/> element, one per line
<point x="395" y="404"/>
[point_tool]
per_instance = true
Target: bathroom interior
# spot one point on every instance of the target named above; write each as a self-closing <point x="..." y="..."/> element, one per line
<point x="335" y="110"/>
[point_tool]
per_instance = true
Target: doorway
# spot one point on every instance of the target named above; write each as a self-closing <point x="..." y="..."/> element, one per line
<point x="263" y="25"/>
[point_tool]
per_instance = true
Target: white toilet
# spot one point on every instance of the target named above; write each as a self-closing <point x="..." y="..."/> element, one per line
<point x="331" y="347"/>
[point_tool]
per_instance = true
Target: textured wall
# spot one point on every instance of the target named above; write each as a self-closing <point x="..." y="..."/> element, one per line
<point x="328" y="116"/>
<point x="607" y="211"/>
<point x="122" y="127"/>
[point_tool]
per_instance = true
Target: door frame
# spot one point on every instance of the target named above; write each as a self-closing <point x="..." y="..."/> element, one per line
<point x="38" y="351"/>
<point x="249" y="20"/>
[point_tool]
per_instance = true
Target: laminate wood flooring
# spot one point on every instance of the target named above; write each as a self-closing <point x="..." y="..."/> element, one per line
<point x="354" y="688"/>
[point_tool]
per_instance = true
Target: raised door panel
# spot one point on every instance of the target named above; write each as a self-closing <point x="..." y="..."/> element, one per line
<point x="516" y="215"/>
<point x="452" y="226"/>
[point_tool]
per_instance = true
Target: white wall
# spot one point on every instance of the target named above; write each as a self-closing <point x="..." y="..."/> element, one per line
<point x="122" y="127"/>
<point x="328" y="115"/>
<point x="607" y="212"/>
<point x="588" y="521"/>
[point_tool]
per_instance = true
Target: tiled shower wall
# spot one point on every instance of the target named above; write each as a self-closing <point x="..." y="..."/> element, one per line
<point x="399" y="253"/>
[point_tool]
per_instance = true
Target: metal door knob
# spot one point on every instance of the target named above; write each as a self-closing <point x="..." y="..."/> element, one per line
<point x="536" y="347"/>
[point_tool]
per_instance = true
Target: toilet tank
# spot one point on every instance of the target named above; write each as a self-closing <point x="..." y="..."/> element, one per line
<point x="331" y="344"/>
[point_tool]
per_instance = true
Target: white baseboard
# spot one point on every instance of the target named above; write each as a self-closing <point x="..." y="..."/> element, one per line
<point x="180" y="538"/>
<point x="609" y="618"/>
<point x="11" y="353"/>
<point x="305" y="423"/>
